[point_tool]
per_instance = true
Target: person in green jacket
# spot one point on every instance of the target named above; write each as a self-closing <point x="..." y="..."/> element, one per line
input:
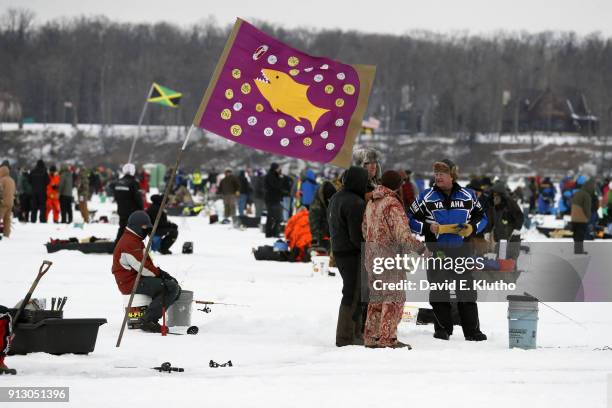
<point x="24" y="189"/>
<point x="65" y="193"/>
<point x="581" y="214"/>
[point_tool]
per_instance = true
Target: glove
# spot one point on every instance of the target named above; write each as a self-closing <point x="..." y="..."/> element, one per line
<point x="166" y="276"/>
<point x="448" y="229"/>
<point x="465" y="230"/>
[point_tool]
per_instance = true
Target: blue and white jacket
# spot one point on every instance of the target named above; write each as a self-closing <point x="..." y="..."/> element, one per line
<point x="460" y="207"/>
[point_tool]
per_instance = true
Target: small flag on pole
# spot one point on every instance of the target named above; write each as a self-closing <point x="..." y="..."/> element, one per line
<point x="272" y="97"/>
<point x="164" y="96"/>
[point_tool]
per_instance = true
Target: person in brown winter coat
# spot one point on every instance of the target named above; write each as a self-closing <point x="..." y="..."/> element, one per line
<point x="7" y="197"/>
<point x="229" y="188"/>
<point x="386" y="233"/>
<point x="82" y="186"/>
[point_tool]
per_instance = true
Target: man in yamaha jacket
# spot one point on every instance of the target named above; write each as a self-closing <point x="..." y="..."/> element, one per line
<point x="447" y="215"/>
<point x="127" y="196"/>
<point x="127" y="258"/>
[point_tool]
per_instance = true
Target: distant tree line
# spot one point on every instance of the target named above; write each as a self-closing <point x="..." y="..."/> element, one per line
<point x="94" y="70"/>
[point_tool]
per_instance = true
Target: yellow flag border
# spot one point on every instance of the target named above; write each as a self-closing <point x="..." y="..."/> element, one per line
<point x="366" y="75"/>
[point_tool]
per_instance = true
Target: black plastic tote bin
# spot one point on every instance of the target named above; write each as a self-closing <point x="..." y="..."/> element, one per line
<point x="56" y="336"/>
<point x="100" y="247"/>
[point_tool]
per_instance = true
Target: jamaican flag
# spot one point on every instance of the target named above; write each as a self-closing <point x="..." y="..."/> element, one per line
<point x="164" y="96"/>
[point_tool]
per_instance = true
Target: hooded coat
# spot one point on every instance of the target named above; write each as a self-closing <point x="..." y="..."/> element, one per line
<point x="345" y="213"/>
<point x="582" y="202"/>
<point x="39" y="178"/>
<point x="504" y="217"/>
<point x="317" y="216"/>
<point x="297" y="233"/>
<point x="274" y="186"/>
<point x="7" y="188"/>
<point x="308" y="188"/>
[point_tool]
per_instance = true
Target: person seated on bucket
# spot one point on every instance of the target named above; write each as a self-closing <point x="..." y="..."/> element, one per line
<point x="154" y="282"/>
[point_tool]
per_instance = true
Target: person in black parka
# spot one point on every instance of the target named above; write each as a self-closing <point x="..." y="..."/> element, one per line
<point x="39" y="178"/>
<point x="274" y="192"/>
<point x="168" y="231"/>
<point x="345" y="215"/>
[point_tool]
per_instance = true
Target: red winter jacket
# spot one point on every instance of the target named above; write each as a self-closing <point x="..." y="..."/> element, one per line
<point x="127" y="257"/>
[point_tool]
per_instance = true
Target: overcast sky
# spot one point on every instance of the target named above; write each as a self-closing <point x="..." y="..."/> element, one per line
<point x="384" y="16"/>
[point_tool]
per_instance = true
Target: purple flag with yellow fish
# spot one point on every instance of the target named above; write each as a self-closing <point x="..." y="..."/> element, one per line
<point x="269" y="96"/>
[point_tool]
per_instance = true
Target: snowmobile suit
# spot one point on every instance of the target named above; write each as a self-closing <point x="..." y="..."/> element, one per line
<point x="298" y="235"/>
<point x="53" y="196"/>
<point x="461" y="206"/>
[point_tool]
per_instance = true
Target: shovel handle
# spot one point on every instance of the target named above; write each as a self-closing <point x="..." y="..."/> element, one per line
<point x="44" y="267"/>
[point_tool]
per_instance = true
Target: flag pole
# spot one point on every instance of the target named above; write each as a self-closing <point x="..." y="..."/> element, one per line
<point x="150" y="241"/>
<point x="142" y="115"/>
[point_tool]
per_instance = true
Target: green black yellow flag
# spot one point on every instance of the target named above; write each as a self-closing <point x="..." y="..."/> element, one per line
<point x="164" y="96"/>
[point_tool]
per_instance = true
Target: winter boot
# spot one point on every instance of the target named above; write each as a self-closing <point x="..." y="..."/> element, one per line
<point x="399" y="344"/>
<point x="441" y="334"/>
<point x="150" y="326"/>
<point x="470" y="322"/>
<point x="476" y="336"/>
<point x="345" y="330"/>
<point x="5" y="370"/>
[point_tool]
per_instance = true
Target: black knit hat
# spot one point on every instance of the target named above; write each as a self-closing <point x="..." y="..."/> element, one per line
<point x="136" y="220"/>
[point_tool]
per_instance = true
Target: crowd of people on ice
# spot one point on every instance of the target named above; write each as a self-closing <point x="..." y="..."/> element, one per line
<point x="329" y="211"/>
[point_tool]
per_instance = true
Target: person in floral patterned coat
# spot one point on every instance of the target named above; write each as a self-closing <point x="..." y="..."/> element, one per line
<point x="386" y="233"/>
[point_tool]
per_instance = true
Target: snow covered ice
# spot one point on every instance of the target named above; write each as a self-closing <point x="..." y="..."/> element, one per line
<point x="282" y="346"/>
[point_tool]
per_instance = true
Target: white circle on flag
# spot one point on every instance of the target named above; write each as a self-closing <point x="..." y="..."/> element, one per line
<point x="339" y="122"/>
<point x="318" y="78"/>
<point x="284" y="142"/>
<point x="268" y="131"/>
<point x="237" y="106"/>
<point x="252" y="120"/>
<point x="341" y="76"/>
<point x="272" y="59"/>
<point x="308" y="69"/>
<point x="299" y="129"/>
<point x="330" y="146"/>
<point x="324" y="134"/>
<point x="324" y="66"/>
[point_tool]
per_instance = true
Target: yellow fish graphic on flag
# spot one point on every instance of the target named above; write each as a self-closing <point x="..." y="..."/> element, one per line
<point x="286" y="95"/>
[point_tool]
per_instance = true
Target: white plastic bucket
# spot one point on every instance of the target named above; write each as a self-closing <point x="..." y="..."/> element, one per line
<point x="320" y="265"/>
<point x="409" y="315"/>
